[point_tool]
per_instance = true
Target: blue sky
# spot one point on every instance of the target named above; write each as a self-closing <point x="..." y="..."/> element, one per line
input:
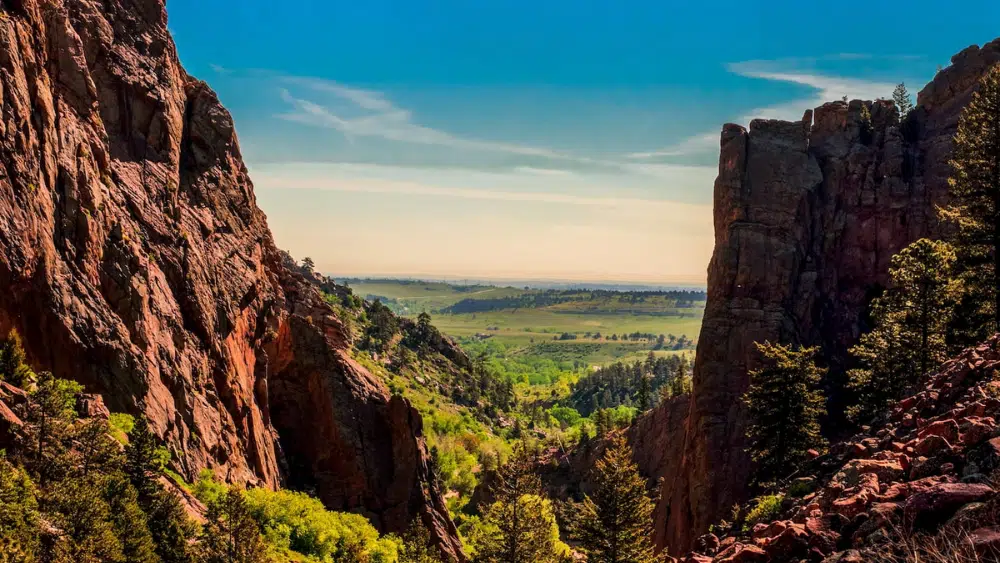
<point x="544" y="139"/>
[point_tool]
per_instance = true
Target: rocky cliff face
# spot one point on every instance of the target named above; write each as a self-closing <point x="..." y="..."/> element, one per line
<point x="133" y="258"/>
<point x="807" y="216"/>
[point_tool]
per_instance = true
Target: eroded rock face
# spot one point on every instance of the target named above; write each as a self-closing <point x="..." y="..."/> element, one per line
<point x="807" y="217"/>
<point x="134" y="259"/>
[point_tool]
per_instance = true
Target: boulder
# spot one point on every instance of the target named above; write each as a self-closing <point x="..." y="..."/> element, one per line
<point x="947" y="429"/>
<point x="707" y="544"/>
<point x="931" y="507"/>
<point x="740" y="553"/>
<point x="89" y="405"/>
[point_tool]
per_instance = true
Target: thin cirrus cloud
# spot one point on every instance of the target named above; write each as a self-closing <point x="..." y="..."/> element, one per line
<point x="356" y="113"/>
<point x="371" y="179"/>
<point x="376" y="116"/>
<point x="825" y="88"/>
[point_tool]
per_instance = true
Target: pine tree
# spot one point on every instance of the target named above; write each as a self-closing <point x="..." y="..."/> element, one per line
<point x="975" y="207"/>
<point x="19" y="516"/>
<point x="170" y="528"/>
<point x="231" y="535"/>
<point x="903" y="101"/>
<point x="911" y="324"/>
<point x="13" y="366"/>
<point x="79" y="510"/>
<point x="48" y="427"/>
<point x="129" y="522"/>
<point x="519" y="526"/>
<point x="784" y="406"/>
<point x="416" y="546"/>
<point x="643" y="399"/>
<point x="141" y="460"/>
<point x="681" y="383"/>
<point x="95" y="449"/>
<point x="615" y="525"/>
<point x="168" y="523"/>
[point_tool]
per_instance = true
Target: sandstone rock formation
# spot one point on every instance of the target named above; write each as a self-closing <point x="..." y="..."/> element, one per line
<point x="134" y="259"/>
<point x="807" y="216"/>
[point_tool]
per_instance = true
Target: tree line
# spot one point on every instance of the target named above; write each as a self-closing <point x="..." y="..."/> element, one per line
<point x="546" y="298"/>
<point x="640" y="384"/>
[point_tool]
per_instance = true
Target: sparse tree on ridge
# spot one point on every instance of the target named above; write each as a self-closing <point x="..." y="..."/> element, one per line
<point x="902" y="99"/>
<point x="308" y="265"/>
<point x="13" y="363"/>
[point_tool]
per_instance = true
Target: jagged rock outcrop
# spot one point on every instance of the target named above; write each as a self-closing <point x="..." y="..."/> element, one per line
<point x="134" y="259"/>
<point x="807" y="217"/>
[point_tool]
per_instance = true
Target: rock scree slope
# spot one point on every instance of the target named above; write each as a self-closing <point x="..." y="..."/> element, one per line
<point x="926" y="473"/>
<point x="807" y="217"/>
<point x="134" y="259"/>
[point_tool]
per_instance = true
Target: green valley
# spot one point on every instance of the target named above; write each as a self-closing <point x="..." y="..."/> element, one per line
<point x="540" y="366"/>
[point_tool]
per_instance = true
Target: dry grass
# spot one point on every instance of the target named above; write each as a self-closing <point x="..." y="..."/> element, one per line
<point x="953" y="547"/>
<point x="950" y="544"/>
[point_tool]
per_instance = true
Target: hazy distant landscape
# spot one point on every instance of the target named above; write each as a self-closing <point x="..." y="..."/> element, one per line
<point x="594" y="326"/>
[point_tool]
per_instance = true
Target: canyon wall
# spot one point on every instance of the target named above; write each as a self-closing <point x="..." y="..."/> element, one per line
<point x="807" y="217"/>
<point x="134" y="259"/>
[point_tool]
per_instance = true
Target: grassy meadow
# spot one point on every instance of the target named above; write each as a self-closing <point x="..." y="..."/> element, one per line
<point x="537" y="330"/>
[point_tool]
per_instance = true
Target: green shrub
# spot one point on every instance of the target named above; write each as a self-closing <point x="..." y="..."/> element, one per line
<point x="297" y="522"/>
<point x="207" y="488"/>
<point x="765" y="509"/>
<point x="121" y="425"/>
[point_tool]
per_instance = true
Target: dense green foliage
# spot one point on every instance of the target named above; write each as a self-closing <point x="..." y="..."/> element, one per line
<point x="71" y="475"/>
<point x="519" y="526"/>
<point x="911" y="325"/>
<point x="13" y="368"/>
<point x="616" y="524"/>
<point x="974" y="209"/>
<point x="762" y="509"/>
<point x="633" y="384"/>
<point x="230" y="534"/>
<point x="784" y="406"/>
<point x="295" y="524"/>
<point x="416" y="546"/>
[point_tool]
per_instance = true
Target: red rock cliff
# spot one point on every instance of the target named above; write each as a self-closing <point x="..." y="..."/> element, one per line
<point x="134" y="258"/>
<point x="807" y="216"/>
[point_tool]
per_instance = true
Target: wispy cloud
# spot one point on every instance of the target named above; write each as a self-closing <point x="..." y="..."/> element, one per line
<point x="693" y="145"/>
<point x="374" y="115"/>
<point x="542" y="171"/>
<point x="356" y="113"/>
<point x="372" y="179"/>
<point x="825" y="88"/>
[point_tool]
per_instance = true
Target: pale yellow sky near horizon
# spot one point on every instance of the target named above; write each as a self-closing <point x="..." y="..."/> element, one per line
<point x="375" y="221"/>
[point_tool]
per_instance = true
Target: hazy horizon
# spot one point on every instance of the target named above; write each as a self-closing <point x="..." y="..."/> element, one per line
<point x="567" y="140"/>
<point x="517" y="281"/>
